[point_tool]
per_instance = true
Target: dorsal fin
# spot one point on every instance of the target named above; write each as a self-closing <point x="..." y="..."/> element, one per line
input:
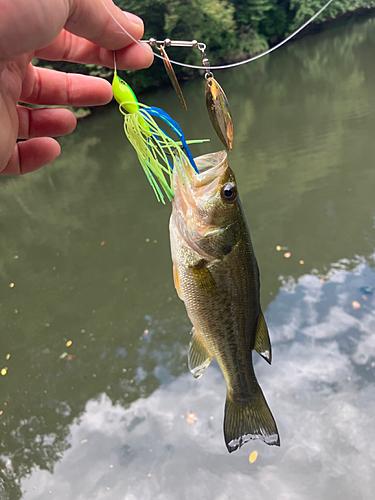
<point x="262" y="343"/>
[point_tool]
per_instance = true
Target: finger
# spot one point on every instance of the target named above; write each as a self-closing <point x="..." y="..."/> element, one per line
<point x="49" y="87"/>
<point x="44" y="122"/>
<point x="40" y="22"/>
<point x="36" y="22"/>
<point x="69" y="47"/>
<point x="104" y="24"/>
<point x="31" y="155"/>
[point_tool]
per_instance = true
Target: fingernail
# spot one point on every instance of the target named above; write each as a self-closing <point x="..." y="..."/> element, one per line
<point x="133" y="18"/>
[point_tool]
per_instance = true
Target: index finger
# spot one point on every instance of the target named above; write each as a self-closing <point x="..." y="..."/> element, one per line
<point x="69" y="47"/>
<point x="30" y="26"/>
<point x="103" y="23"/>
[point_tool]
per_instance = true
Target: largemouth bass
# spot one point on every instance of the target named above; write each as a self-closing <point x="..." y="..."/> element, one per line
<point x="216" y="275"/>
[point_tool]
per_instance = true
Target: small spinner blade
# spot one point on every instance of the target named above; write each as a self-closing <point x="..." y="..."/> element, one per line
<point x="219" y="112"/>
<point x="170" y="72"/>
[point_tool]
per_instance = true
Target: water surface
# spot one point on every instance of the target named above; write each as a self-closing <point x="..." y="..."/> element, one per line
<point x="85" y="259"/>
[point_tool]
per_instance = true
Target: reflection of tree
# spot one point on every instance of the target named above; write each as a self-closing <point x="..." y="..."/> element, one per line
<point x="33" y="444"/>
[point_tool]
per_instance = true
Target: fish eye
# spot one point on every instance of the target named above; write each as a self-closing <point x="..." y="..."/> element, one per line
<point x="229" y="192"/>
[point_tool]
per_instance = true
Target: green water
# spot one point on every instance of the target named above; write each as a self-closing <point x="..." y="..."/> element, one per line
<point x="86" y="246"/>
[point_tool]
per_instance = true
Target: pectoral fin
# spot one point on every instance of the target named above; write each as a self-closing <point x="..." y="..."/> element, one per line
<point x="199" y="357"/>
<point x="262" y="342"/>
<point x="203" y="278"/>
<point x="176" y="281"/>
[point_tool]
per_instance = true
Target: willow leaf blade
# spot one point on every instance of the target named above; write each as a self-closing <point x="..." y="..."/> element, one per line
<point x="172" y="76"/>
<point x="219" y="112"/>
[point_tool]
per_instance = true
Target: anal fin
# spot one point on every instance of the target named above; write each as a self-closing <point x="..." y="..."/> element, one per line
<point x="199" y="357"/>
<point x="262" y="343"/>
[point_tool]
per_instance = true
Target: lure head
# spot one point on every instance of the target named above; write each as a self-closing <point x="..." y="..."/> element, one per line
<point x="124" y="94"/>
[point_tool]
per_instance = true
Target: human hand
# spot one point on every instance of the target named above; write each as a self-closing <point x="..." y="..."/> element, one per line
<point x="70" y="30"/>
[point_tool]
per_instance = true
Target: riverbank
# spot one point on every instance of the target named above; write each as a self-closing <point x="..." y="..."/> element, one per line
<point x="318" y="27"/>
<point x="157" y="77"/>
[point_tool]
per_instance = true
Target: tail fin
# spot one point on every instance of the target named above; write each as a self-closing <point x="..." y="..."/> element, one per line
<point x="249" y="420"/>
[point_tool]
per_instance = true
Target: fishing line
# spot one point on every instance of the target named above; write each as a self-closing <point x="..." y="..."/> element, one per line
<point x="151" y="143"/>
<point x="225" y="66"/>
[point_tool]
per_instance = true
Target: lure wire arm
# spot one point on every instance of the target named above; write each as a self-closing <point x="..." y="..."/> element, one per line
<point x="216" y="101"/>
<point x="167" y="42"/>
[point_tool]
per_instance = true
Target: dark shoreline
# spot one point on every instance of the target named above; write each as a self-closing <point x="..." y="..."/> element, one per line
<point x="312" y="29"/>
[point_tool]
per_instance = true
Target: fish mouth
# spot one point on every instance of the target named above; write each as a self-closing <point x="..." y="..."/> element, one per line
<point x="192" y="191"/>
<point x="209" y="167"/>
<point x="210" y="160"/>
<point x="189" y="187"/>
<point x="187" y="182"/>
